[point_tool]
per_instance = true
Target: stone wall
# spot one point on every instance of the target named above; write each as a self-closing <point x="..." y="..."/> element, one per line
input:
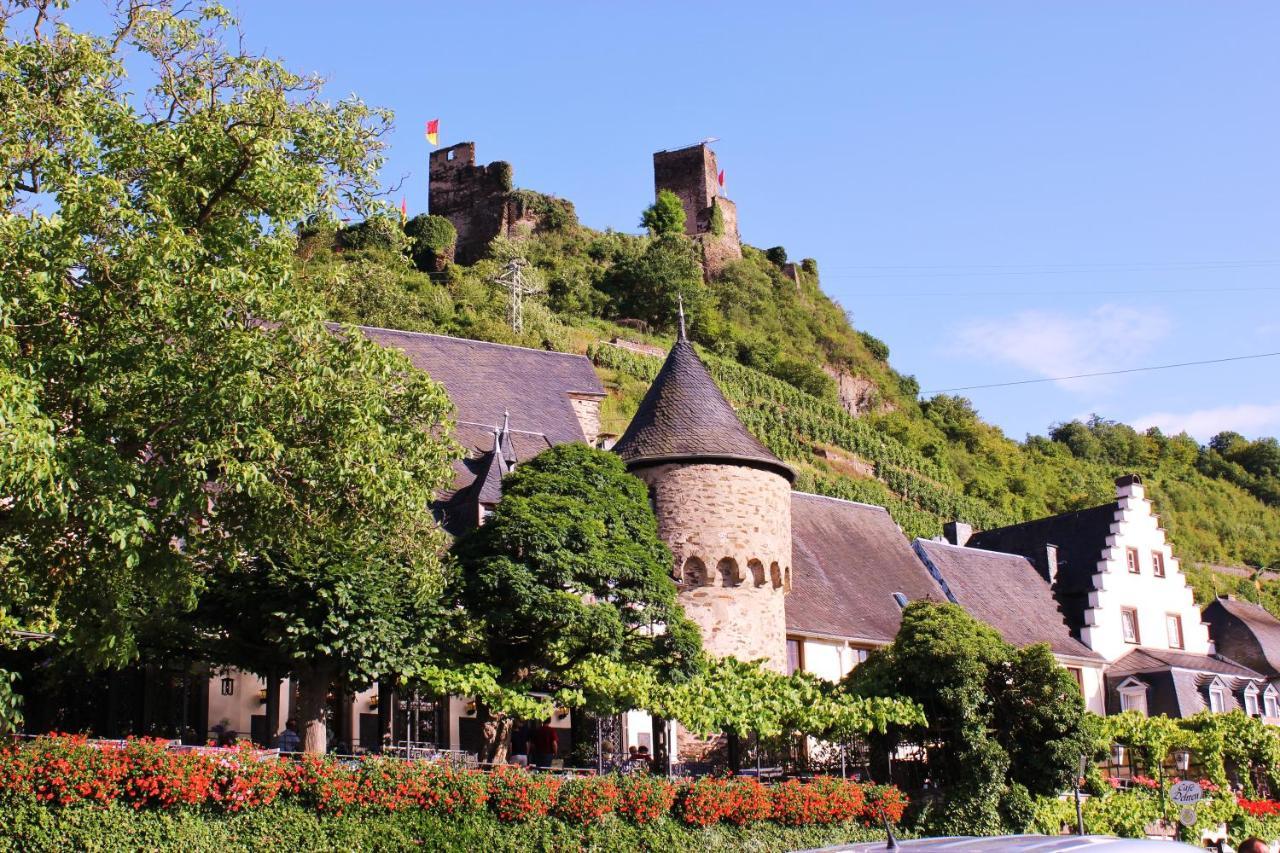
<point x="474" y="198"/>
<point x="692" y="174"/>
<point x="587" y="408"/>
<point x="729" y="528"/>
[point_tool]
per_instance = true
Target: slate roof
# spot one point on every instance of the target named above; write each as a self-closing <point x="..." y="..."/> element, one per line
<point x="1246" y="632"/>
<point x="847" y="561"/>
<point x="1080" y="537"/>
<point x="1179" y="682"/>
<point x="1006" y="592"/>
<point x="684" y="416"/>
<point x="486" y="381"/>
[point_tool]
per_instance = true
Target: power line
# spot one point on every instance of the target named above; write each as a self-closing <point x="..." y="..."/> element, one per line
<point x="1156" y="292"/>
<point x="1103" y="373"/>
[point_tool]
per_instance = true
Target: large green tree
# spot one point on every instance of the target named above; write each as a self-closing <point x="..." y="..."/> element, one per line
<point x="172" y="414"/>
<point x="567" y="576"/>
<point x="1001" y="723"/>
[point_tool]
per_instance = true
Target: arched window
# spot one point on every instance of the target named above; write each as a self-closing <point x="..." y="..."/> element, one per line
<point x="757" y="572"/>
<point x="775" y="575"/>
<point x="728" y="570"/>
<point x="695" y="572"/>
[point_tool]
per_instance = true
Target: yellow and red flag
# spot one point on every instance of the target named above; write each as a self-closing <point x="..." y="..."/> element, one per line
<point x="433" y="131"/>
<point x="404" y="209"/>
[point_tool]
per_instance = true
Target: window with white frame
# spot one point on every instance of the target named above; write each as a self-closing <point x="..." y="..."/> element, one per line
<point x="1173" y="626"/>
<point x="1129" y="624"/>
<point x="1217" y="698"/>
<point x="1157" y="564"/>
<point x="1270" y="703"/>
<point x="1133" y="696"/>
<point x="1251" y="700"/>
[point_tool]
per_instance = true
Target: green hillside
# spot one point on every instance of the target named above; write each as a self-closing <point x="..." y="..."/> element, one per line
<point x="766" y="337"/>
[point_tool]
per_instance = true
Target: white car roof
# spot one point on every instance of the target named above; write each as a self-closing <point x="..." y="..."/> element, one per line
<point x="1015" y="844"/>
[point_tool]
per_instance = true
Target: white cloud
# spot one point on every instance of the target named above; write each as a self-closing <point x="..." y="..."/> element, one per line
<point x="1110" y="337"/>
<point x="1250" y="419"/>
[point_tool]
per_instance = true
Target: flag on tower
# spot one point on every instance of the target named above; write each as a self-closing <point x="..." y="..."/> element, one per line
<point x="433" y="131"/>
<point x="720" y="178"/>
<point x="404" y="209"/>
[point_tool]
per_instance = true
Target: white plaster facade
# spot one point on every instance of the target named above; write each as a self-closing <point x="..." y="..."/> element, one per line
<point x="1136" y="531"/>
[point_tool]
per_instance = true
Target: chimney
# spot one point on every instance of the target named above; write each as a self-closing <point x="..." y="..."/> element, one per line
<point x="1129" y="484"/>
<point x="957" y="532"/>
<point x="1051" y="562"/>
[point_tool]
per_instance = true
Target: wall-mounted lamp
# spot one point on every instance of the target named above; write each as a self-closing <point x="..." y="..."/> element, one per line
<point x="1117" y="754"/>
<point x="228" y="685"/>
<point x="1182" y="759"/>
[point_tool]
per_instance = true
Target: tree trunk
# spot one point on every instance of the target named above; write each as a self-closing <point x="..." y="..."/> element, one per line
<point x="313" y="690"/>
<point x="497" y="736"/>
<point x="735" y="753"/>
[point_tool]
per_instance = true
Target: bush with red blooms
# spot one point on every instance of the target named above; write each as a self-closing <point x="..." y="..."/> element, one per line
<point x="881" y="803"/>
<point x="844" y="801"/>
<point x="586" y="800"/>
<point x="516" y="795"/>
<point x="703" y="802"/>
<point x="747" y="801"/>
<point x="1258" y="808"/>
<point x="142" y="773"/>
<point x="643" y="798"/>
<point x="797" y="804"/>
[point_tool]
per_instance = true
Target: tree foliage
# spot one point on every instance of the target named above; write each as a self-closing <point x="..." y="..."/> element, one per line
<point x="1001" y="722"/>
<point x="172" y="414"/>
<point x="665" y="216"/>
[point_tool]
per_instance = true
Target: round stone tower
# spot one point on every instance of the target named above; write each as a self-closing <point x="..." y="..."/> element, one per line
<point x="723" y="503"/>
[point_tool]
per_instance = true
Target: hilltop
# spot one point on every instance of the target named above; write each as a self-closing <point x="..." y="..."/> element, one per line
<point x="818" y="391"/>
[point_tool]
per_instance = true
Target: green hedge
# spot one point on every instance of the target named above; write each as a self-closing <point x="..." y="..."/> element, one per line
<point x="31" y="828"/>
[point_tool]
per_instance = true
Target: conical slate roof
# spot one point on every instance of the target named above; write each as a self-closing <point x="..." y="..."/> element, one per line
<point x="685" y="417"/>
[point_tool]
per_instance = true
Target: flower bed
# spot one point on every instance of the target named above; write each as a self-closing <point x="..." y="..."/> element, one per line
<point x="64" y="772"/>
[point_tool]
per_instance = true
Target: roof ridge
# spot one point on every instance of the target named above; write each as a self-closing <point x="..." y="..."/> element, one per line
<point x="1054" y="517"/>
<point x="841" y="500"/>
<point x="1011" y="554"/>
<point x="472" y="341"/>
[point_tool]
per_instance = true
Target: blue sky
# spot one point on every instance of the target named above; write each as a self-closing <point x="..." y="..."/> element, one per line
<point x="997" y="190"/>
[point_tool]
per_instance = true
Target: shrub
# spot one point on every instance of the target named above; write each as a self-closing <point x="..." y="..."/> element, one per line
<point x="883" y="802"/>
<point x="643" y="799"/>
<point x="777" y="255"/>
<point x="702" y="803"/>
<point x="746" y="802"/>
<point x="151" y="775"/>
<point x="843" y="800"/>
<point x="516" y="795"/>
<point x="795" y="804"/>
<point x="582" y="802"/>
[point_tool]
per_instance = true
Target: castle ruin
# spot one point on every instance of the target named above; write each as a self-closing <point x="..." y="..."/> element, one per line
<point x="710" y="219"/>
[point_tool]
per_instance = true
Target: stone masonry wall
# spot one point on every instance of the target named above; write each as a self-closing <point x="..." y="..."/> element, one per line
<point x="692" y="174"/>
<point x="729" y="528"/>
<point x="587" y="409"/>
<point x="473" y="198"/>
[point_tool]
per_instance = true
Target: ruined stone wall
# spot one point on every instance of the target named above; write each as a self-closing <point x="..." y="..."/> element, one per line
<point x="729" y="528"/>
<point x="474" y="198"/>
<point x="692" y="174"/>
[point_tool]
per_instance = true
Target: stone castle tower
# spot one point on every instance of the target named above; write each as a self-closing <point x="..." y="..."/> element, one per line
<point x="723" y="503"/>
<point x="692" y="174"/>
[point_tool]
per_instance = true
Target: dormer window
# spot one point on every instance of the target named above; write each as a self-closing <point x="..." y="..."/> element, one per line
<point x="1251" y="700"/>
<point x="901" y="599"/>
<point x="1270" y="703"/>
<point x="1131" y="560"/>
<point x="1157" y="564"/>
<point x="1217" y="697"/>
<point x="1133" y="696"/>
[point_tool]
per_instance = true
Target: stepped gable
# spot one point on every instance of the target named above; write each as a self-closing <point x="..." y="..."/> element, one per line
<point x="1006" y="592"/>
<point x="684" y="417"/>
<point x="1080" y="537"/>
<point x="848" y="559"/>
<point x="529" y="395"/>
